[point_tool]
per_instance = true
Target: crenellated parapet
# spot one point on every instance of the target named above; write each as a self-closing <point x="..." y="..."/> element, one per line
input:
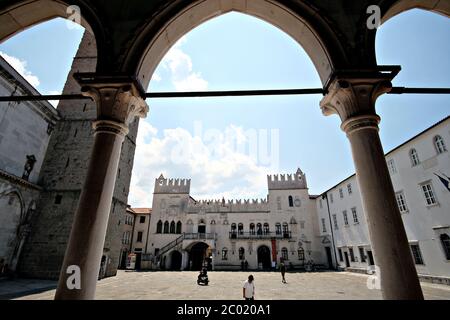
<point x="164" y="185"/>
<point x="240" y="205"/>
<point x="287" y="181"/>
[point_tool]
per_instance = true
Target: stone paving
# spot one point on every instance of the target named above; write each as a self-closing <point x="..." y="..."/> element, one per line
<point x="228" y="286"/>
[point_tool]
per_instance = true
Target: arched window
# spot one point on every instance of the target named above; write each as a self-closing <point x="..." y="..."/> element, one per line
<point x="259" y="228"/>
<point x="439" y="144"/>
<point x="291" y="201"/>
<point x="241" y="253"/>
<point x="445" y="240"/>
<point x="166" y="227"/>
<point x="284" y="254"/>
<point x="301" y="254"/>
<point x="240" y="228"/>
<point x="414" y="157"/>
<point x="266" y="228"/>
<point x="233" y="230"/>
<point x="224" y="254"/>
<point x="252" y="228"/>
<point x="278" y="228"/>
<point x="285" y="230"/>
<point x="179" y="225"/>
<point x="172" y="227"/>
<point x="159" y="227"/>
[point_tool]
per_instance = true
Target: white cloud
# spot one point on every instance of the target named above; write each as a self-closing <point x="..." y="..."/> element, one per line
<point x="21" y="68"/>
<point x="217" y="169"/>
<point x="181" y="69"/>
<point x="156" y="77"/>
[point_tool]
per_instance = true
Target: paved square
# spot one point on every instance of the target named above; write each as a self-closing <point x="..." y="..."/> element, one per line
<point x="228" y="286"/>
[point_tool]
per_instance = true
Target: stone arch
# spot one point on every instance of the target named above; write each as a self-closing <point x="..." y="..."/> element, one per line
<point x="323" y="48"/>
<point x="390" y="9"/>
<point x="441" y="7"/>
<point x="25" y="14"/>
<point x="12" y="215"/>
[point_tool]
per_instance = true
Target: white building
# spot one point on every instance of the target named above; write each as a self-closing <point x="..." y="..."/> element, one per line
<point x="185" y="233"/>
<point x="25" y="130"/>
<point x="329" y="230"/>
<point x="420" y="171"/>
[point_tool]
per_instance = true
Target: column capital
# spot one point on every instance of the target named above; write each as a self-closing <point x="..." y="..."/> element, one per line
<point x="117" y="102"/>
<point x="353" y="99"/>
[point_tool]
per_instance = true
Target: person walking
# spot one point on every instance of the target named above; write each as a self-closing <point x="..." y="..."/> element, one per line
<point x="283" y="271"/>
<point x="248" y="291"/>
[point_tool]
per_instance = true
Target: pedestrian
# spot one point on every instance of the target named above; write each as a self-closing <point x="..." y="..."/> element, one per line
<point x="283" y="271"/>
<point x="248" y="291"/>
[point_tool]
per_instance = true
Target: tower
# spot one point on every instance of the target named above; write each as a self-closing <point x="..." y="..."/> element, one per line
<point x="63" y="174"/>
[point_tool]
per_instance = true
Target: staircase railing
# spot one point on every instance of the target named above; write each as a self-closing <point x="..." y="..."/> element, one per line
<point x="169" y="246"/>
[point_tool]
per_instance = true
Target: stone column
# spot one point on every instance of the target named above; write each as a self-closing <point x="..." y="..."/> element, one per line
<point x="353" y="99"/>
<point x="117" y="105"/>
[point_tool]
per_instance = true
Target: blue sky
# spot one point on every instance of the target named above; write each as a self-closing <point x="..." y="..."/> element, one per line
<point x="208" y="139"/>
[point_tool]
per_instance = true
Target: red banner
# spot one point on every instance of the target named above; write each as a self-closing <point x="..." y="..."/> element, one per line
<point x="274" y="250"/>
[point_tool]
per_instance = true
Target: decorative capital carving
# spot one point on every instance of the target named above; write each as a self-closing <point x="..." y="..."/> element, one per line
<point x="354" y="100"/>
<point x="116" y="102"/>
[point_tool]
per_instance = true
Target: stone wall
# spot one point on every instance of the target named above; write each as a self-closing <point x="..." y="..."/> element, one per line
<point x="62" y="177"/>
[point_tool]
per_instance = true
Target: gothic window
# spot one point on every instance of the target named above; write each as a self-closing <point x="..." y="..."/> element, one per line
<point x="213" y="222"/>
<point x="349" y="188"/>
<point x="414" y="157"/>
<point x="241" y="253"/>
<point x="301" y="254"/>
<point x="439" y="144"/>
<point x="284" y="254"/>
<point x="259" y="228"/>
<point x="341" y="193"/>
<point x="166" y="227"/>
<point x="240" y="228"/>
<point x="224" y="254"/>
<point x="278" y="228"/>
<point x="291" y="201"/>
<point x="331" y="197"/>
<point x="159" y="227"/>
<point x="266" y="228"/>
<point x="285" y="230"/>
<point x="172" y="227"/>
<point x="252" y="228"/>
<point x="445" y="241"/>
<point x="179" y="225"/>
<point x="233" y="230"/>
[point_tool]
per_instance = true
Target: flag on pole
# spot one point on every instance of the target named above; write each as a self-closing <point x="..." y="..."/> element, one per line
<point x="444" y="181"/>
